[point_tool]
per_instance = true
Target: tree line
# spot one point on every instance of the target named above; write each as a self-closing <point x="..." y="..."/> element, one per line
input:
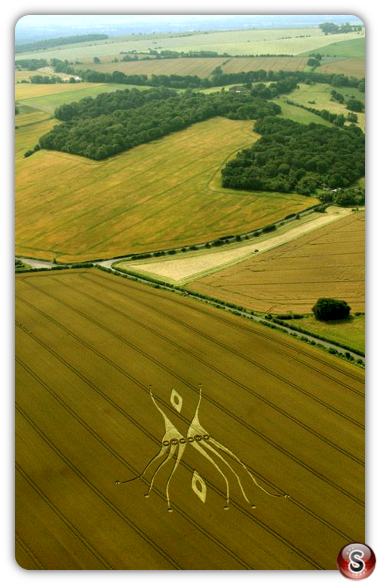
<point x="336" y="119"/>
<point x="297" y="157"/>
<point x="119" y="123"/>
<point x="329" y="28"/>
<point x="218" y="77"/>
<point x="47" y="80"/>
<point x="49" y="43"/>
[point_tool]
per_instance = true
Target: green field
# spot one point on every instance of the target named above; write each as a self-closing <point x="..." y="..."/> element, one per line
<point x="320" y="93"/>
<point x="354" y="47"/>
<point x="298" y="114"/>
<point x="58" y="94"/>
<point x="350" y="331"/>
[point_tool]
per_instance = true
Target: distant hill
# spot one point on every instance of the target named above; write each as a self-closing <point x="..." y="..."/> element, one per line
<point x="33" y="28"/>
<point x="49" y="43"/>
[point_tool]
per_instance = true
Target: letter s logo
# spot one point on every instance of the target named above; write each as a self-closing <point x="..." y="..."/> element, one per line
<point x="356" y="565"/>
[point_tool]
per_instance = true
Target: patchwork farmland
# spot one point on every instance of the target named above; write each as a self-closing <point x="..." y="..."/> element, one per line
<point x="159" y="424"/>
<point x="326" y="263"/>
<point x="88" y="345"/>
<point x="77" y="209"/>
<point x="201" y="66"/>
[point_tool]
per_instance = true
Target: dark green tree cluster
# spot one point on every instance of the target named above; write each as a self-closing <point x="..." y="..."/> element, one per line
<point x="46" y="79"/>
<point x="337" y="97"/>
<point x="297" y="157"/>
<point x="117" y="126"/>
<point x="326" y="309"/>
<point x="329" y="28"/>
<point x="171" y="81"/>
<point x="274" y="89"/>
<point x="220" y="78"/>
<point x="314" y="60"/>
<point x="355" y="105"/>
<point x="344" y="197"/>
<point x="31" y="64"/>
<point x="107" y="103"/>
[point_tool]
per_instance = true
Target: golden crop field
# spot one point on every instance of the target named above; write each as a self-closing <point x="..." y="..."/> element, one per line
<point x="88" y="346"/>
<point x="48" y="97"/>
<point x="197" y="66"/>
<point x="328" y="262"/>
<point x="349" y="67"/>
<point x="201" y="66"/>
<point x="25" y="91"/>
<point x="158" y="195"/>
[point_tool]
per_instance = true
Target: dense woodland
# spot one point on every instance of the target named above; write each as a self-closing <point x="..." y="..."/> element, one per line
<point x="297" y="157"/>
<point x="111" y="123"/>
<point x="288" y="157"/>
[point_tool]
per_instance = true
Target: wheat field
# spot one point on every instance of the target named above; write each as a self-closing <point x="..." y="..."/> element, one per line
<point x="88" y="346"/>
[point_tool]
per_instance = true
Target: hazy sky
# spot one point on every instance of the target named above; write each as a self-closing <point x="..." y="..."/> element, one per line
<point x="88" y="19"/>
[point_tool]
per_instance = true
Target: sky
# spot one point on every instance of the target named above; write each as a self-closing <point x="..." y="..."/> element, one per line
<point x="66" y="19"/>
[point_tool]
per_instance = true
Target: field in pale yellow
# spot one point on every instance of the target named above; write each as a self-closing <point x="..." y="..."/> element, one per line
<point x="88" y="345"/>
<point x="159" y="195"/>
<point x="328" y="262"/>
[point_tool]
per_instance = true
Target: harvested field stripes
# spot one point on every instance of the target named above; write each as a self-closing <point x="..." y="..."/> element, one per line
<point x="299" y="351"/>
<point x="100" y="495"/>
<point x="161" y="495"/>
<point x="208" y="398"/>
<point x="264" y="336"/>
<point x="28" y="552"/>
<point x="126" y="374"/>
<point x="250" y="360"/>
<point x="86" y="355"/>
<point x="134" y="470"/>
<point x="207" y="364"/>
<point x="244" y="511"/>
<point x="61" y="516"/>
<point x="292" y="277"/>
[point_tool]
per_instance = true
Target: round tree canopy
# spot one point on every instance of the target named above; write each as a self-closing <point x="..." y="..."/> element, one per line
<point x="329" y="309"/>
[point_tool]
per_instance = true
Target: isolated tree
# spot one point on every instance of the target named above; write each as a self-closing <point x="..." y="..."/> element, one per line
<point x="96" y="60"/>
<point x="326" y="309"/>
<point x="355" y="105"/>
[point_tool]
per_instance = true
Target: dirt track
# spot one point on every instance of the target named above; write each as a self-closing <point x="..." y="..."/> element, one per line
<point x="181" y="270"/>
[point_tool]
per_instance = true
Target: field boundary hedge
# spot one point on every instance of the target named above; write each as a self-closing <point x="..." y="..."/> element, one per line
<point x="317" y="336"/>
<point x="236" y="310"/>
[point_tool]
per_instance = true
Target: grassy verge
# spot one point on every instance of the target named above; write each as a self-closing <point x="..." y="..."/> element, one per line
<point x="348" y="332"/>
